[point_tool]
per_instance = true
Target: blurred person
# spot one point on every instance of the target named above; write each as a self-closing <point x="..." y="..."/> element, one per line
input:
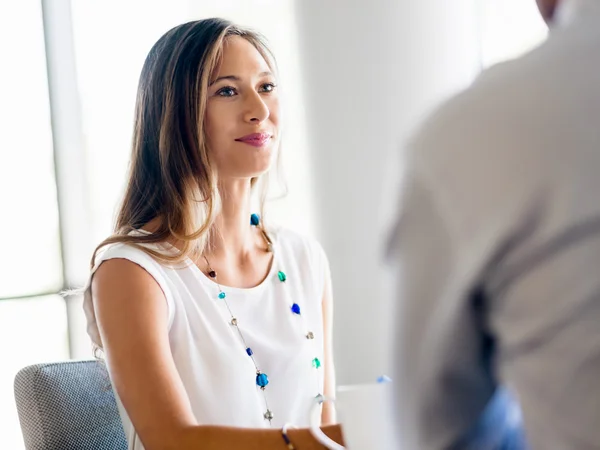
<point x="215" y="328"/>
<point x="498" y="245"/>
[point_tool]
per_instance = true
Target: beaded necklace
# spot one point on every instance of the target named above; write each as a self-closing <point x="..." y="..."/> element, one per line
<point x="262" y="379"/>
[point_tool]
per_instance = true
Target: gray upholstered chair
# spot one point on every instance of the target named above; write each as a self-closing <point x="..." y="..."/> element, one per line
<point x="68" y="406"/>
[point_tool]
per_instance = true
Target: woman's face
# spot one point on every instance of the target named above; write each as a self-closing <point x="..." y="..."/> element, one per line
<point x="242" y="114"/>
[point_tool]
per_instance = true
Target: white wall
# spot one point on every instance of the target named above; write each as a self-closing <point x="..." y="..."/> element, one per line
<point x="370" y="71"/>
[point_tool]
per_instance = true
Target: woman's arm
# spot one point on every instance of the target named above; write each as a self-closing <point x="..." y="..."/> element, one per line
<point x="328" y="415"/>
<point x="132" y="316"/>
<point x="227" y="438"/>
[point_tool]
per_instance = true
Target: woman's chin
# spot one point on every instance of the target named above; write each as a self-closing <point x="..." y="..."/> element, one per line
<point x="259" y="173"/>
<point x="258" y="168"/>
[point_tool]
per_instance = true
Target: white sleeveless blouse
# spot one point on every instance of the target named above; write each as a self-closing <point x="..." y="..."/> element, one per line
<point x="218" y="375"/>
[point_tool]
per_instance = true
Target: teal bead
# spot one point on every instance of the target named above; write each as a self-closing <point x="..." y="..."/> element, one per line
<point x="254" y="220"/>
<point x="316" y="363"/>
<point x="282" y="276"/>
<point x="262" y="380"/>
<point x="222" y="295"/>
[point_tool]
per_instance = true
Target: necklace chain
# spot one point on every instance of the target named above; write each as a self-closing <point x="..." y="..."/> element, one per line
<point x="261" y="378"/>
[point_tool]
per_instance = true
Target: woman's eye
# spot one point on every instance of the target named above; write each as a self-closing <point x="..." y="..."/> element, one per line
<point x="226" y="92"/>
<point x="268" y="87"/>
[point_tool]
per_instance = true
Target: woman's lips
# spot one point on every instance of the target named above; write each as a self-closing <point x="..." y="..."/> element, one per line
<point x="255" y="139"/>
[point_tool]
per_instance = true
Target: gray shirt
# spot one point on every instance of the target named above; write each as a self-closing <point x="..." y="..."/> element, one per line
<point x="498" y="242"/>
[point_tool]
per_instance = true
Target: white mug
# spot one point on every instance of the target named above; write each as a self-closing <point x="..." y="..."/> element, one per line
<point x="366" y="415"/>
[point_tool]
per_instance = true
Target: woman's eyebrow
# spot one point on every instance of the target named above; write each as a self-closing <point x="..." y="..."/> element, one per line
<point x="236" y="78"/>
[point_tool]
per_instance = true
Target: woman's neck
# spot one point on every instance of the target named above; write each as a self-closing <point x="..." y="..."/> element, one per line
<point x="233" y="237"/>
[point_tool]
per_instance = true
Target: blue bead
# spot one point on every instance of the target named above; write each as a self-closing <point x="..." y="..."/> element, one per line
<point x="262" y="380"/>
<point x="249" y="351"/>
<point x="222" y="295"/>
<point x="296" y="308"/>
<point x="254" y="219"/>
<point x="384" y="379"/>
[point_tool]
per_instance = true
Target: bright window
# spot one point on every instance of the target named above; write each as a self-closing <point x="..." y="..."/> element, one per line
<point x="33" y="325"/>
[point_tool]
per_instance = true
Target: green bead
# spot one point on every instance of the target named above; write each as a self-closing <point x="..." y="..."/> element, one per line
<point x="282" y="276"/>
<point x="316" y="363"/>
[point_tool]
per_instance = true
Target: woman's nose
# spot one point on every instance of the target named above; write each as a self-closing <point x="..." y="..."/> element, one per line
<point x="256" y="109"/>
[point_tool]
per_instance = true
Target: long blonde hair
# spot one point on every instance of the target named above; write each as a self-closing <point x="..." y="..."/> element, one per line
<point x="171" y="176"/>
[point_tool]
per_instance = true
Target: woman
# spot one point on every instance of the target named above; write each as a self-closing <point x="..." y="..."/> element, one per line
<point x="216" y="329"/>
